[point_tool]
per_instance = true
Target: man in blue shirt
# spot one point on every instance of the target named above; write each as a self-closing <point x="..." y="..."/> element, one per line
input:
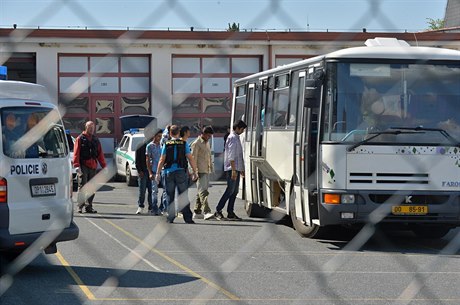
<point x="152" y="157"/>
<point x="173" y="161"/>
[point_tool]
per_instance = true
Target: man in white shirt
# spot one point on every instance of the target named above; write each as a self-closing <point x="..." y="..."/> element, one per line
<point x="234" y="169"/>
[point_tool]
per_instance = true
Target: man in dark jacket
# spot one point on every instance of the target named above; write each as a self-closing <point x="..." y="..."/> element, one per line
<point x="87" y="154"/>
<point x="143" y="179"/>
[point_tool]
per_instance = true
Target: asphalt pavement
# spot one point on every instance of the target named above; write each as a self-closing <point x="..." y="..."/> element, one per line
<point x="124" y="258"/>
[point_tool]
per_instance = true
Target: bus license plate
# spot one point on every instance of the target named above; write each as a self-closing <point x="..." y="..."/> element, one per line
<point x="409" y="210"/>
<point x="43" y="190"/>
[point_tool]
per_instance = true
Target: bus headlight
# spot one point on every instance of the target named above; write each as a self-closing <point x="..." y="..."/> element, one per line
<point x="339" y="198"/>
<point x="347" y="198"/>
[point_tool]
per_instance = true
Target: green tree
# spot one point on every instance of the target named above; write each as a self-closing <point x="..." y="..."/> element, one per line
<point x="234" y="27"/>
<point x="435" y="24"/>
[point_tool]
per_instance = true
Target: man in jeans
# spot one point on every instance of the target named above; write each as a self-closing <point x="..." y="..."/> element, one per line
<point x="234" y="169"/>
<point x="201" y="151"/>
<point x="173" y="161"/>
<point x="143" y="179"/>
<point x="152" y="157"/>
<point x="87" y="154"/>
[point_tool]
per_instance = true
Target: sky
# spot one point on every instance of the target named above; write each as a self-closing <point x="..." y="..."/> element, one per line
<point x="295" y="15"/>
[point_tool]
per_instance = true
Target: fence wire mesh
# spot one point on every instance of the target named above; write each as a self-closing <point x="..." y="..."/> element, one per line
<point x="319" y="271"/>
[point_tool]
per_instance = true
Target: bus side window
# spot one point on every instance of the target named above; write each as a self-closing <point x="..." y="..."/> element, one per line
<point x="240" y="101"/>
<point x="294" y="98"/>
<point x="268" y="110"/>
<point x="280" y="101"/>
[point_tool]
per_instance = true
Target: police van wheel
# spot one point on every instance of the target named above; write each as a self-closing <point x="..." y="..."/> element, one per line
<point x="130" y="181"/>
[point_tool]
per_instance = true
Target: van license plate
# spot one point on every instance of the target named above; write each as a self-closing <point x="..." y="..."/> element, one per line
<point x="409" y="210"/>
<point x="43" y="190"/>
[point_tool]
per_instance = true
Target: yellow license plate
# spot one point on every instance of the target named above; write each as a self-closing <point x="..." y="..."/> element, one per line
<point x="409" y="210"/>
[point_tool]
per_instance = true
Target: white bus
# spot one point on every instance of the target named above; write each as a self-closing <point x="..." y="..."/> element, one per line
<point x="361" y="133"/>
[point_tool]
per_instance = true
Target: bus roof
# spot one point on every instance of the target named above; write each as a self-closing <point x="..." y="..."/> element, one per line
<point x="23" y="91"/>
<point x="384" y="48"/>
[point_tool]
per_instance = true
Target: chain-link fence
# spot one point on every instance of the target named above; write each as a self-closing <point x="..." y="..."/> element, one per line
<point x="326" y="292"/>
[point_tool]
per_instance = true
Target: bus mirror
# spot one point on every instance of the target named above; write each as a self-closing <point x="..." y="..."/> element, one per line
<point x="311" y="93"/>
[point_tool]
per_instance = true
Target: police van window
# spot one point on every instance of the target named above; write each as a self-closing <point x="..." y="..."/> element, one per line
<point x="125" y="143"/>
<point x="24" y="135"/>
<point x="136" y="142"/>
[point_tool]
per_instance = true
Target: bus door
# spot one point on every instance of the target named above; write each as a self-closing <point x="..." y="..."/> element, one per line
<point x="253" y="115"/>
<point x="301" y="156"/>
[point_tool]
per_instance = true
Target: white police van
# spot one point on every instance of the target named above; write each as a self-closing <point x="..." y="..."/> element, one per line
<point x="35" y="173"/>
<point x="125" y="155"/>
<point x="132" y="127"/>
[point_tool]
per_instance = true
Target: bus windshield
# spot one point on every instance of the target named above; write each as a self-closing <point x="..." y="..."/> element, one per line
<point x="367" y="98"/>
<point x="32" y="132"/>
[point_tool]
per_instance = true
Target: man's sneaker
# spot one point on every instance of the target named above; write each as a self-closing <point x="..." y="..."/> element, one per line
<point x="232" y="216"/>
<point x="219" y="216"/>
<point x="190" y="221"/>
<point x="139" y="210"/>
<point x="197" y="216"/>
<point x="80" y="210"/>
<point x="208" y="216"/>
<point x="90" y="211"/>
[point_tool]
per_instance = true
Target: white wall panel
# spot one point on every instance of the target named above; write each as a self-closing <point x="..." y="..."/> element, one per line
<point x="216" y="65"/>
<point x="285" y="61"/>
<point x="186" y="65"/>
<point x="216" y="85"/>
<point x="134" y="65"/>
<point x="245" y="65"/>
<point x="73" y="64"/>
<point x="73" y="84"/>
<point x="104" y="85"/>
<point x="105" y="64"/>
<point x="134" y="85"/>
<point x="186" y="85"/>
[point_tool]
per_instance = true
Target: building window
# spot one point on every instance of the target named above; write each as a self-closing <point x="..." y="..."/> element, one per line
<point x="202" y="88"/>
<point x="101" y="89"/>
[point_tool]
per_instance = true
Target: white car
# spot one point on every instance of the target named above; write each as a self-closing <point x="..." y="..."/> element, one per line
<point x="125" y="155"/>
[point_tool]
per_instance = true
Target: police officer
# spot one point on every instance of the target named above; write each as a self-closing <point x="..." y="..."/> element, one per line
<point x="87" y="154"/>
<point x="173" y="161"/>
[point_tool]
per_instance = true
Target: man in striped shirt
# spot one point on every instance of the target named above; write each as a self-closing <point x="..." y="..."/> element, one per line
<point x="234" y="169"/>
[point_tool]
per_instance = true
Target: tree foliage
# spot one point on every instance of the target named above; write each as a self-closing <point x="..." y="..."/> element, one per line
<point x="435" y="24"/>
<point x="233" y="27"/>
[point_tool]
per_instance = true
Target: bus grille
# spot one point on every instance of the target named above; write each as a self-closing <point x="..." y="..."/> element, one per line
<point x="388" y="178"/>
<point x="414" y="199"/>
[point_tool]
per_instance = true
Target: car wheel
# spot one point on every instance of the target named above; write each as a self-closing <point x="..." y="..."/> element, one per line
<point x="130" y="181"/>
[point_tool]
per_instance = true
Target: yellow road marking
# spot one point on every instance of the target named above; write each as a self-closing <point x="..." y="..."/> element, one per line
<point x="176" y="263"/>
<point x="75" y="277"/>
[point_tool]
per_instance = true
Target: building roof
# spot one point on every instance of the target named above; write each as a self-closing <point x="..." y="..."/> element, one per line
<point x="17" y="35"/>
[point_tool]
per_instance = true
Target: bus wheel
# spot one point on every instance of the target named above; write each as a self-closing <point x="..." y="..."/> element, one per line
<point x="301" y="228"/>
<point x="427" y="231"/>
<point x="255" y="210"/>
